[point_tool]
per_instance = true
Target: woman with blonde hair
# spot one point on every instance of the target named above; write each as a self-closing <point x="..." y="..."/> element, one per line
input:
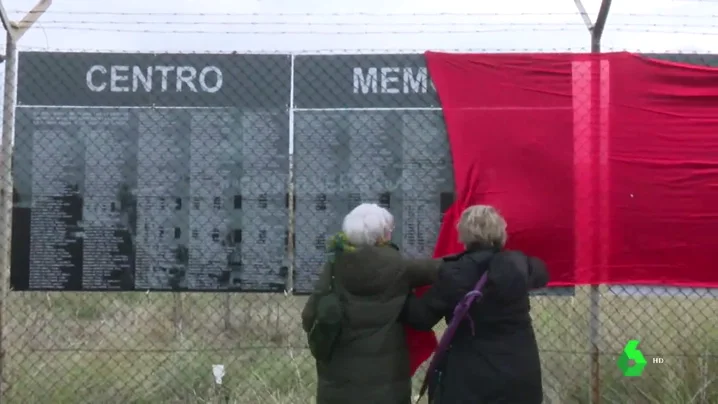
<point x="361" y="353"/>
<point x="492" y="357"/>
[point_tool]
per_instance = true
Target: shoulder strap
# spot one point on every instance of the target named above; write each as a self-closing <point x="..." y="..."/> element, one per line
<point x="332" y="278"/>
<point x="480" y="284"/>
<point x="334" y="285"/>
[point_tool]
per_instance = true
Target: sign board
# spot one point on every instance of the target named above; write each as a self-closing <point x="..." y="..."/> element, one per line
<point x="171" y="171"/>
<point x="368" y="128"/>
<point x="151" y="172"/>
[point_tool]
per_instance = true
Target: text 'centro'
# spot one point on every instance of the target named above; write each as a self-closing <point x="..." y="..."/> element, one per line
<point x="124" y="78"/>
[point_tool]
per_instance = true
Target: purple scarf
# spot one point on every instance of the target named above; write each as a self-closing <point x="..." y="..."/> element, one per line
<point x="460" y="312"/>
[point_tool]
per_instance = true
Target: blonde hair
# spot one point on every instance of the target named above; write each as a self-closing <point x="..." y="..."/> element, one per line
<point x="368" y="224"/>
<point x="482" y="224"/>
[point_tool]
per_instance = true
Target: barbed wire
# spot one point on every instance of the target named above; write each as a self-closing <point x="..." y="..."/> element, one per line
<point x="507" y="28"/>
<point x="343" y="51"/>
<point x="64" y="23"/>
<point x="320" y="51"/>
<point x="357" y="14"/>
<point x="319" y="24"/>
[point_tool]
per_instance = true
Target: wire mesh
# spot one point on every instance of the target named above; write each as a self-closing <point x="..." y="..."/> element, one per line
<point x="170" y="212"/>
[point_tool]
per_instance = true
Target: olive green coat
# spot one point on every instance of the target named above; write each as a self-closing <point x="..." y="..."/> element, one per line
<point x="371" y="362"/>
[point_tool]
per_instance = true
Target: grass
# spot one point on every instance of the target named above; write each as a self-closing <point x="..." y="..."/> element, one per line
<point x="159" y="348"/>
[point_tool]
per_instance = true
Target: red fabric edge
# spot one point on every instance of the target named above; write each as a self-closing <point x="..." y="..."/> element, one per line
<point x="670" y="63"/>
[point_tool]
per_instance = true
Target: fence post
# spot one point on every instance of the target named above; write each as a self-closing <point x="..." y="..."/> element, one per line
<point x="595" y="295"/>
<point x="596" y="31"/>
<point x="289" y="288"/>
<point x="14" y="31"/>
<point x="6" y="193"/>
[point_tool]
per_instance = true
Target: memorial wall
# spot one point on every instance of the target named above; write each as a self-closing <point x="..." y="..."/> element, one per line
<point x="171" y="171"/>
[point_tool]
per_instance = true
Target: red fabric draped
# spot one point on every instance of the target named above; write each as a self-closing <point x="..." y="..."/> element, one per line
<point x="605" y="166"/>
<point x="510" y="124"/>
<point x="421" y="343"/>
<point x="663" y="194"/>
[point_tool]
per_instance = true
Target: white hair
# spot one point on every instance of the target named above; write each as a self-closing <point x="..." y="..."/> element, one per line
<point x="368" y="224"/>
<point x="482" y="224"/>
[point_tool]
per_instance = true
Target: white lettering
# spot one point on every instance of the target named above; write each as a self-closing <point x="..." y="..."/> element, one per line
<point x="123" y="78"/>
<point x="365" y="83"/>
<point x="389" y="79"/>
<point x="185" y="75"/>
<point x="217" y="82"/>
<point x="165" y="70"/>
<point x="89" y="76"/>
<point x="119" y="74"/>
<point x="392" y="80"/>
<point x="138" y="78"/>
<point x="415" y="83"/>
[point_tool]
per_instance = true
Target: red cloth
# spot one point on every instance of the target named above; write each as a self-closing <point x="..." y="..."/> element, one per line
<point x="663" y="173"/>
<point x="605" y="166"/>
<point x="509" y="119"/>
<point x="421" y="343"/>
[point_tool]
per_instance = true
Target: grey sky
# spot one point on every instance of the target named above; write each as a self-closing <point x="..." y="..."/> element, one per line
<point x="333" y="26"/>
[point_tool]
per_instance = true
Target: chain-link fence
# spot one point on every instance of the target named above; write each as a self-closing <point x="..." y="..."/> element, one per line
<point x="170" y="210"/>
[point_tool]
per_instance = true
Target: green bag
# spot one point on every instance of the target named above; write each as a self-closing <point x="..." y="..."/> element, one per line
<point x="329" y="316"/>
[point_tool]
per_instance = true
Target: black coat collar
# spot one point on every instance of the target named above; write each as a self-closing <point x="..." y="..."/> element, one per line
<point x="471" y="250"/>
<point x="478" y="247"/>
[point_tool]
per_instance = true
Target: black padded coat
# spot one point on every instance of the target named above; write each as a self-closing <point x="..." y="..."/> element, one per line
<point x="499" y="363"/>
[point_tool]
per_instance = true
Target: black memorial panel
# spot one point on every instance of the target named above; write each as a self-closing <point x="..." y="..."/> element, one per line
<point x="363" y="81"/>
<point x="186" y="191"/>
<point x="398" y="159"/>
<point x="149" y="79"/>
<point x="368" y="128"/>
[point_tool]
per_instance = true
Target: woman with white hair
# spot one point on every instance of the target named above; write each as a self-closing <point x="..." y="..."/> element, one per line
<point x="369" y="360"/>
<point x="493" y="357"/>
